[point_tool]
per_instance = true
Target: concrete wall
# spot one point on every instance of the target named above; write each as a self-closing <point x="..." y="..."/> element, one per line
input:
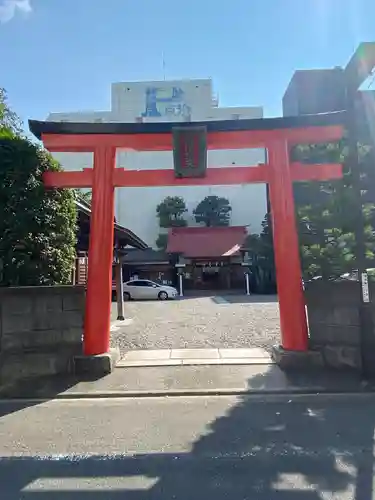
<point x="41" y="330"/>
<point x="179" y="100"/>
<point x="334" y="322"/>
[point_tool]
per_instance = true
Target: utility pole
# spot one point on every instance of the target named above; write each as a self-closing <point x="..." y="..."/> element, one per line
<point x="119" y="287"/>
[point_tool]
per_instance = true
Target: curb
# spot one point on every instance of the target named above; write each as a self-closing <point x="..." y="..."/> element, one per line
<point x="191" y="393"/>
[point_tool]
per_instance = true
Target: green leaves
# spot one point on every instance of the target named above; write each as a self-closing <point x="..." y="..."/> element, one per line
<point x="213" y="211"/>
<point x="326" y="212"/>
<point x="10" y="123"/>
<point x="162" y="241"/>
<point x="261" y="253"/>
<point x="170" y="212"/>
<point x="38" y="226"/>
<point x="84" y="195"/>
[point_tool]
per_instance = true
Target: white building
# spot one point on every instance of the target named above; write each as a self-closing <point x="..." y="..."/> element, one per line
<point x="182" y="100"/>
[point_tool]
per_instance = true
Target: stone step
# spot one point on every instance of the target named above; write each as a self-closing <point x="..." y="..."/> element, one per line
<point x="175" y="357"/>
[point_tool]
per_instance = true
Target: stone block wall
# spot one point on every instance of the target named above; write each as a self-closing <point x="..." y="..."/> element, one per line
<point x="41" y="330"/>
<point x="334" y="322"/>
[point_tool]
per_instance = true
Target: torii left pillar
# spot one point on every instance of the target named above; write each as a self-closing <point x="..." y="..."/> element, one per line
<point x="98" y="301"/>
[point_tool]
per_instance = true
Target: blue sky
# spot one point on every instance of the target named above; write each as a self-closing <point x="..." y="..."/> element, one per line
<point x="62" y="55"/>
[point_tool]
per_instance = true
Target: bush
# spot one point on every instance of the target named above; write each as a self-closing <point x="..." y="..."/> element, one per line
<point x="38" y="226"/>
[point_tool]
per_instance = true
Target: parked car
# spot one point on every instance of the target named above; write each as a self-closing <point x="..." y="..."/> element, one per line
<point x="146" y="289"/>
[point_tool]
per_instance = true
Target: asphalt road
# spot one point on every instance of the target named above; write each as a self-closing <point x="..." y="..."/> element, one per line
<point x="303" y="448"/>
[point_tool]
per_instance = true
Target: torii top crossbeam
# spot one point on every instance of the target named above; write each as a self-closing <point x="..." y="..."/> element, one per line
<point x="276" y="135"/>
<point x="222" y="134"/>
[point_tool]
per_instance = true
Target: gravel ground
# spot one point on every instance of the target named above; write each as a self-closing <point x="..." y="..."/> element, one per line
<point x="199" y="323"/>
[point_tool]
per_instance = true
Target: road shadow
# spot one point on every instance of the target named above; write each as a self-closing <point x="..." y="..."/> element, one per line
<point x="25" y="393"/>
<point x="251" y="299"/>
<point x="223" y="298"/>
<point x="311" y="381"/>
<point x="307" y="449"/>
<point x="202" y="294"/>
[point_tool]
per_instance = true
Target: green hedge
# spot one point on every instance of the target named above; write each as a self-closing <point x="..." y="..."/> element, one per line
<point x="37" y="226"/>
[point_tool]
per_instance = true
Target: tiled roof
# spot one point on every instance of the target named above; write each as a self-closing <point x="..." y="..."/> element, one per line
<point x="148" y="255"/>
<point x="206" y="242"/>
<point x="123" y="235"/>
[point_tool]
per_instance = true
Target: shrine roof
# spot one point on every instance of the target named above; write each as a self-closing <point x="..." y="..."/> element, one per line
<point x="123" y="235"/>
<point x="206" y="242"/>
<point x="288" y="122"/>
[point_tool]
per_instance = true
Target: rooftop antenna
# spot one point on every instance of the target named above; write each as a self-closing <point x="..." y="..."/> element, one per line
<point x="163" y="64"/>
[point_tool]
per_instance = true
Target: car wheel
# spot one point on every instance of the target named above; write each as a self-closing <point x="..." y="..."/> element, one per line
<point x="163" y="295"/>
<point x="127" y="296"/>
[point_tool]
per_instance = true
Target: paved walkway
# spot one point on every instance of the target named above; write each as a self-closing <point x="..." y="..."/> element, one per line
<point x="187" y="380"/>
<point x="175" y="357"/>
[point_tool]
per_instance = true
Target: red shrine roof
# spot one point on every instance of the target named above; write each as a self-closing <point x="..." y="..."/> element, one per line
<point x="206" y="242"/>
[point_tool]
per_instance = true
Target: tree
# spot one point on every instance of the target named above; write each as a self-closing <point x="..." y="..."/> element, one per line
<point x="37" y="226"/>
<point x="170" y="212"/>
<point x="213" y="211"/>
<point x="261" y="253"/>
<point x="85" y="196"/>
<point x="162" y="241"/>
<point x="10" y="123"/>
<point x="326" y="215"/>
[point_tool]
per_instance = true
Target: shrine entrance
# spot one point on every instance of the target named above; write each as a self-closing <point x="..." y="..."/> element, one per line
<point x="190" y="142"/>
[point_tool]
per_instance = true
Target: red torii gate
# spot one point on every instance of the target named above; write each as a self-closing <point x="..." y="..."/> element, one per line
<point x="277" y="135"/>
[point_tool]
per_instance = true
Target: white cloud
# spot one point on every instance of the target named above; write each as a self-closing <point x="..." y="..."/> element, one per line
<point x="9" y="8"/>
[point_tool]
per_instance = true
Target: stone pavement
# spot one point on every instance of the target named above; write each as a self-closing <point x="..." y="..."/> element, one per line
<point x="177" y="357"/>
<point x="235" y="321"/>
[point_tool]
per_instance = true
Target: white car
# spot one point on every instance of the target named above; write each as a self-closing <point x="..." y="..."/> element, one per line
<point x="146" y="289"/>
